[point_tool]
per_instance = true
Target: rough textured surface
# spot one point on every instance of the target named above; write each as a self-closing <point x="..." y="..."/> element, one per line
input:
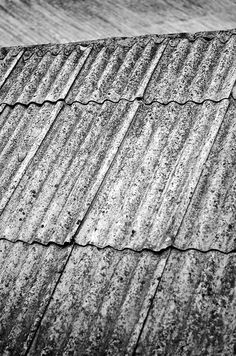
<point x="41" y="74"/>
<point x="109" y="70"/>
<point x="193" y="312"/>
<point x="100" y="303"/>
<point x="116" y="72"/>
<point x="22" y="131"/>
<point x="28" y="275"/>
<point x="210" y="219"/>
<point x="147" y="190"/>
<point x="158" y="68"/>
<point x="42" y="21"/>
<point x="194" y="71"/>
<point x="124" y="175"/>
<point x="59" y="184"/>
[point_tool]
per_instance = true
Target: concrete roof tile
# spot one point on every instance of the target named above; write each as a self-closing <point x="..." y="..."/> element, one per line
<point x="193" y="312"/>
<point x="165" y="68"/>
<point x="100" y="303"/>
<point x="147" y="190"/>
<point x="28" y="276"/>
<point x="210" y="218"/>
<point x="46" y="195"/>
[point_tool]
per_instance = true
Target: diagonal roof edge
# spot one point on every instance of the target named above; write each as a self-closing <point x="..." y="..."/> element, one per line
<point x="222" y="35"/>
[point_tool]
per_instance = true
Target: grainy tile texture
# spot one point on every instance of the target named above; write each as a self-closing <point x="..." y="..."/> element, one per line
<point x="193" y="312"/>
<point x="100" y="303"/>
<point x="28" y="275"/>
<point x="210" y="219"/>
<point x="117" y="193"/>
<point x="58" y="185"/>
<point x="145" y="195"/>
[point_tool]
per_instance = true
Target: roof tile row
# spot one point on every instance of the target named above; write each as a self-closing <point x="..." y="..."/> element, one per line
<point x="103" y="298"/>
<point x="28" y="276"/>
<point x="113" y="70"/>
<point x="130" y="169"/>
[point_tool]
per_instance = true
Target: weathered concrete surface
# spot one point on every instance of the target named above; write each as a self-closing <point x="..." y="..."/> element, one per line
<point x="28" y="275"/>
<point x="211" y="216"/>
<point x="42" y="21"/>
<point x="193" y="312"/>
<point x="92" y="72"/>
<point x="194" y="71"/>
<point x="159" y="68"/>
<point x="124" y="174"/>
<point x="100" y="303"/>
<point x="22" y="131"/>
<point x="40" y="74"/>
<point x="146" y="193"/>
<point x="116" y="71"/>
<point x="55" y="189"/>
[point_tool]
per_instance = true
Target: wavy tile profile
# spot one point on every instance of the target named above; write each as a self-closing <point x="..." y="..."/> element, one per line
<point x="21" y="134"/>
<point x="28" y="276"/>
<point x="59" y="177"/>
<point x="118" y="197"/>
<point x="194" y="71"/>
<point x="210" y="218"/>
<point x="114" y="72"/>
<point x="145" y="195"/>
<point x="42" y="76"/>
<point x="84" y="73"/>
<point x="159" y="69"/>
<point x="193" y="312"/>
<point x="100" y="303"/>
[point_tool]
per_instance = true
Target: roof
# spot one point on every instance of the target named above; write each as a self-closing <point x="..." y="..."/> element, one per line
<point x="25" y="22"/>
<point x="117" y="196"/>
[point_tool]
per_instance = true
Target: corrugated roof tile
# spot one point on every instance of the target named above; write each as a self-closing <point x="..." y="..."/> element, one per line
<point x="100" y="303"/>
<point x="193" y="312"/>
<point x="147" y="191"/>
<point x="42" y="76"/>
<point x="194" y="71"/>
<point x="28" y="275"/>
<point x="117" y="72"/>
<point x="210" y="218"/>
<point x="177" y="69"/>
<point x="22" y="131"/>
<point x="9" y="59"/>
<point x="126" y="176"/>
<point x="53" y="192"/>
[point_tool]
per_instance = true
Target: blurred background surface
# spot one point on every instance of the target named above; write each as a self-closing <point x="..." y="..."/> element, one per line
<point x="39" y="21"/>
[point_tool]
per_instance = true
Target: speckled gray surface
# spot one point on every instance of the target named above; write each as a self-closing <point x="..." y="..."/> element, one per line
<point x="117" y="197"/>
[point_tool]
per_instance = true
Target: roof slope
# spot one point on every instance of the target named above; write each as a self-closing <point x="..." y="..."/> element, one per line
<point x="158" y="68"/>
<point x="117" y="196"/>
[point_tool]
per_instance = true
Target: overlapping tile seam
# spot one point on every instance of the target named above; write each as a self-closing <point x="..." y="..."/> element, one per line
<point x="72" y="243"/>
<point x="138" y="98"/>
<point x="128" y="249"/>
<point x="62" y="102"/>
<point x="35" y="149"/>
<point x="176" y="249"/>
<point x="146" y="315"/>
<point x="166" y="40"/>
